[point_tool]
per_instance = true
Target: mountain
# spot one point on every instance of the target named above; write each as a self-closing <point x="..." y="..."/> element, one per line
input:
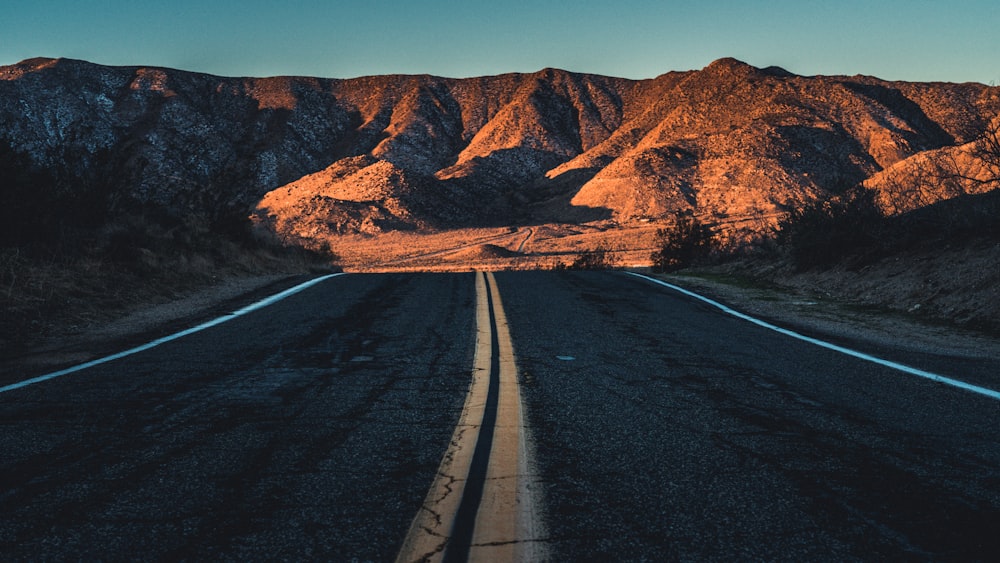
<point x="321" y="157"/>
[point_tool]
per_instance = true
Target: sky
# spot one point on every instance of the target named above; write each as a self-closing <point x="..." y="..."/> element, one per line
<point x="915" y="40"/>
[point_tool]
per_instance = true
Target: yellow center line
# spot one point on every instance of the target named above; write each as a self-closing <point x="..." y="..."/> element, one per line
<point x="496" y="531"/>
<point x="505" y="523"/>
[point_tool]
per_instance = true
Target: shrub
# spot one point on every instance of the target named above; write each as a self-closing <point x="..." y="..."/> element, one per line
<point x="825" y="232"/>
<point x="596" y="259"/>
<point x="681" y="245"/>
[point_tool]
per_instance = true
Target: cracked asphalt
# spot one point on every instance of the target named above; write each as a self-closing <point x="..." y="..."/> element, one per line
<point x="310" y="430"/>
<point x="678" y="433"/>
<point x="663" y="430"/>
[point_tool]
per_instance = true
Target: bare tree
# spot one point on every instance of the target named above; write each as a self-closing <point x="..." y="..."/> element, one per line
<point x="917" y="185"/>
<point x="982" y="169"/>
<point x="944" y="174"/>
<point x="987" y="151"/>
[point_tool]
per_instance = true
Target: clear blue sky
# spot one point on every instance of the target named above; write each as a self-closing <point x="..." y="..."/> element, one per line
<point x="919" y="40"/>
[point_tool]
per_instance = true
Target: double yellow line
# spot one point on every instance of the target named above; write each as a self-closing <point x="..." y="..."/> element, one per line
<point x="479" y="507"/>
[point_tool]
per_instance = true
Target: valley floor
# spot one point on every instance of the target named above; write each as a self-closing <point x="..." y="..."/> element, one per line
<point x="544" y="246"/>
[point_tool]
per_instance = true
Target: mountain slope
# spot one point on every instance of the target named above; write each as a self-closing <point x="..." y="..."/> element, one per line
<point x="325" y="156"/>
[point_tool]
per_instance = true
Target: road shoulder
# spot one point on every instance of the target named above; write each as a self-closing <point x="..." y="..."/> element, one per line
<point x="839" y="320"/>
<point x="147" y="322"/>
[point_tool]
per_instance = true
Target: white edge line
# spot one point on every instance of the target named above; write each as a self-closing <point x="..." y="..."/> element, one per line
<point x="142" y="348"/>
<point x="854" y="353"/>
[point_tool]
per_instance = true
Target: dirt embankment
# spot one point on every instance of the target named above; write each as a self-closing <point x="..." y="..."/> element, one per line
<point x="946" y="300"/>
<point x="134" y="323"/>
<point x="956" y="286"/>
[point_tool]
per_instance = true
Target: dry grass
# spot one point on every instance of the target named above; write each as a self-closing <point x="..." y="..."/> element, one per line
<point x="63" y="294"/>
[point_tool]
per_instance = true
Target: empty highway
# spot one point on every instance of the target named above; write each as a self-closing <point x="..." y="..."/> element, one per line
<point x="522" y="415"/>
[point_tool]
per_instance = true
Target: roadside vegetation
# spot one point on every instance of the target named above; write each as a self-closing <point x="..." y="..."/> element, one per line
<point x="72" y="253"/>
<point x="850" y="230"/>
<point x="857" y="227"/>
<point x="595" y="259"/>
<point x="685" y="243"/>
<point x="70" y="283"/>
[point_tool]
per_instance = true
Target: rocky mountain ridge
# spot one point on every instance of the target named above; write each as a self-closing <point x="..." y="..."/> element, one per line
<point x="322" y="157"/>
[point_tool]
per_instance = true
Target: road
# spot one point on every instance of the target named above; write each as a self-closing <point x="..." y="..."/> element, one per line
<point x="654" y="427"/>
<point x="527" y="237"/>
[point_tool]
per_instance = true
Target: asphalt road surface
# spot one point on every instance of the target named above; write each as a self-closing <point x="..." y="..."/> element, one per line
<point x="660" y="429"/>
